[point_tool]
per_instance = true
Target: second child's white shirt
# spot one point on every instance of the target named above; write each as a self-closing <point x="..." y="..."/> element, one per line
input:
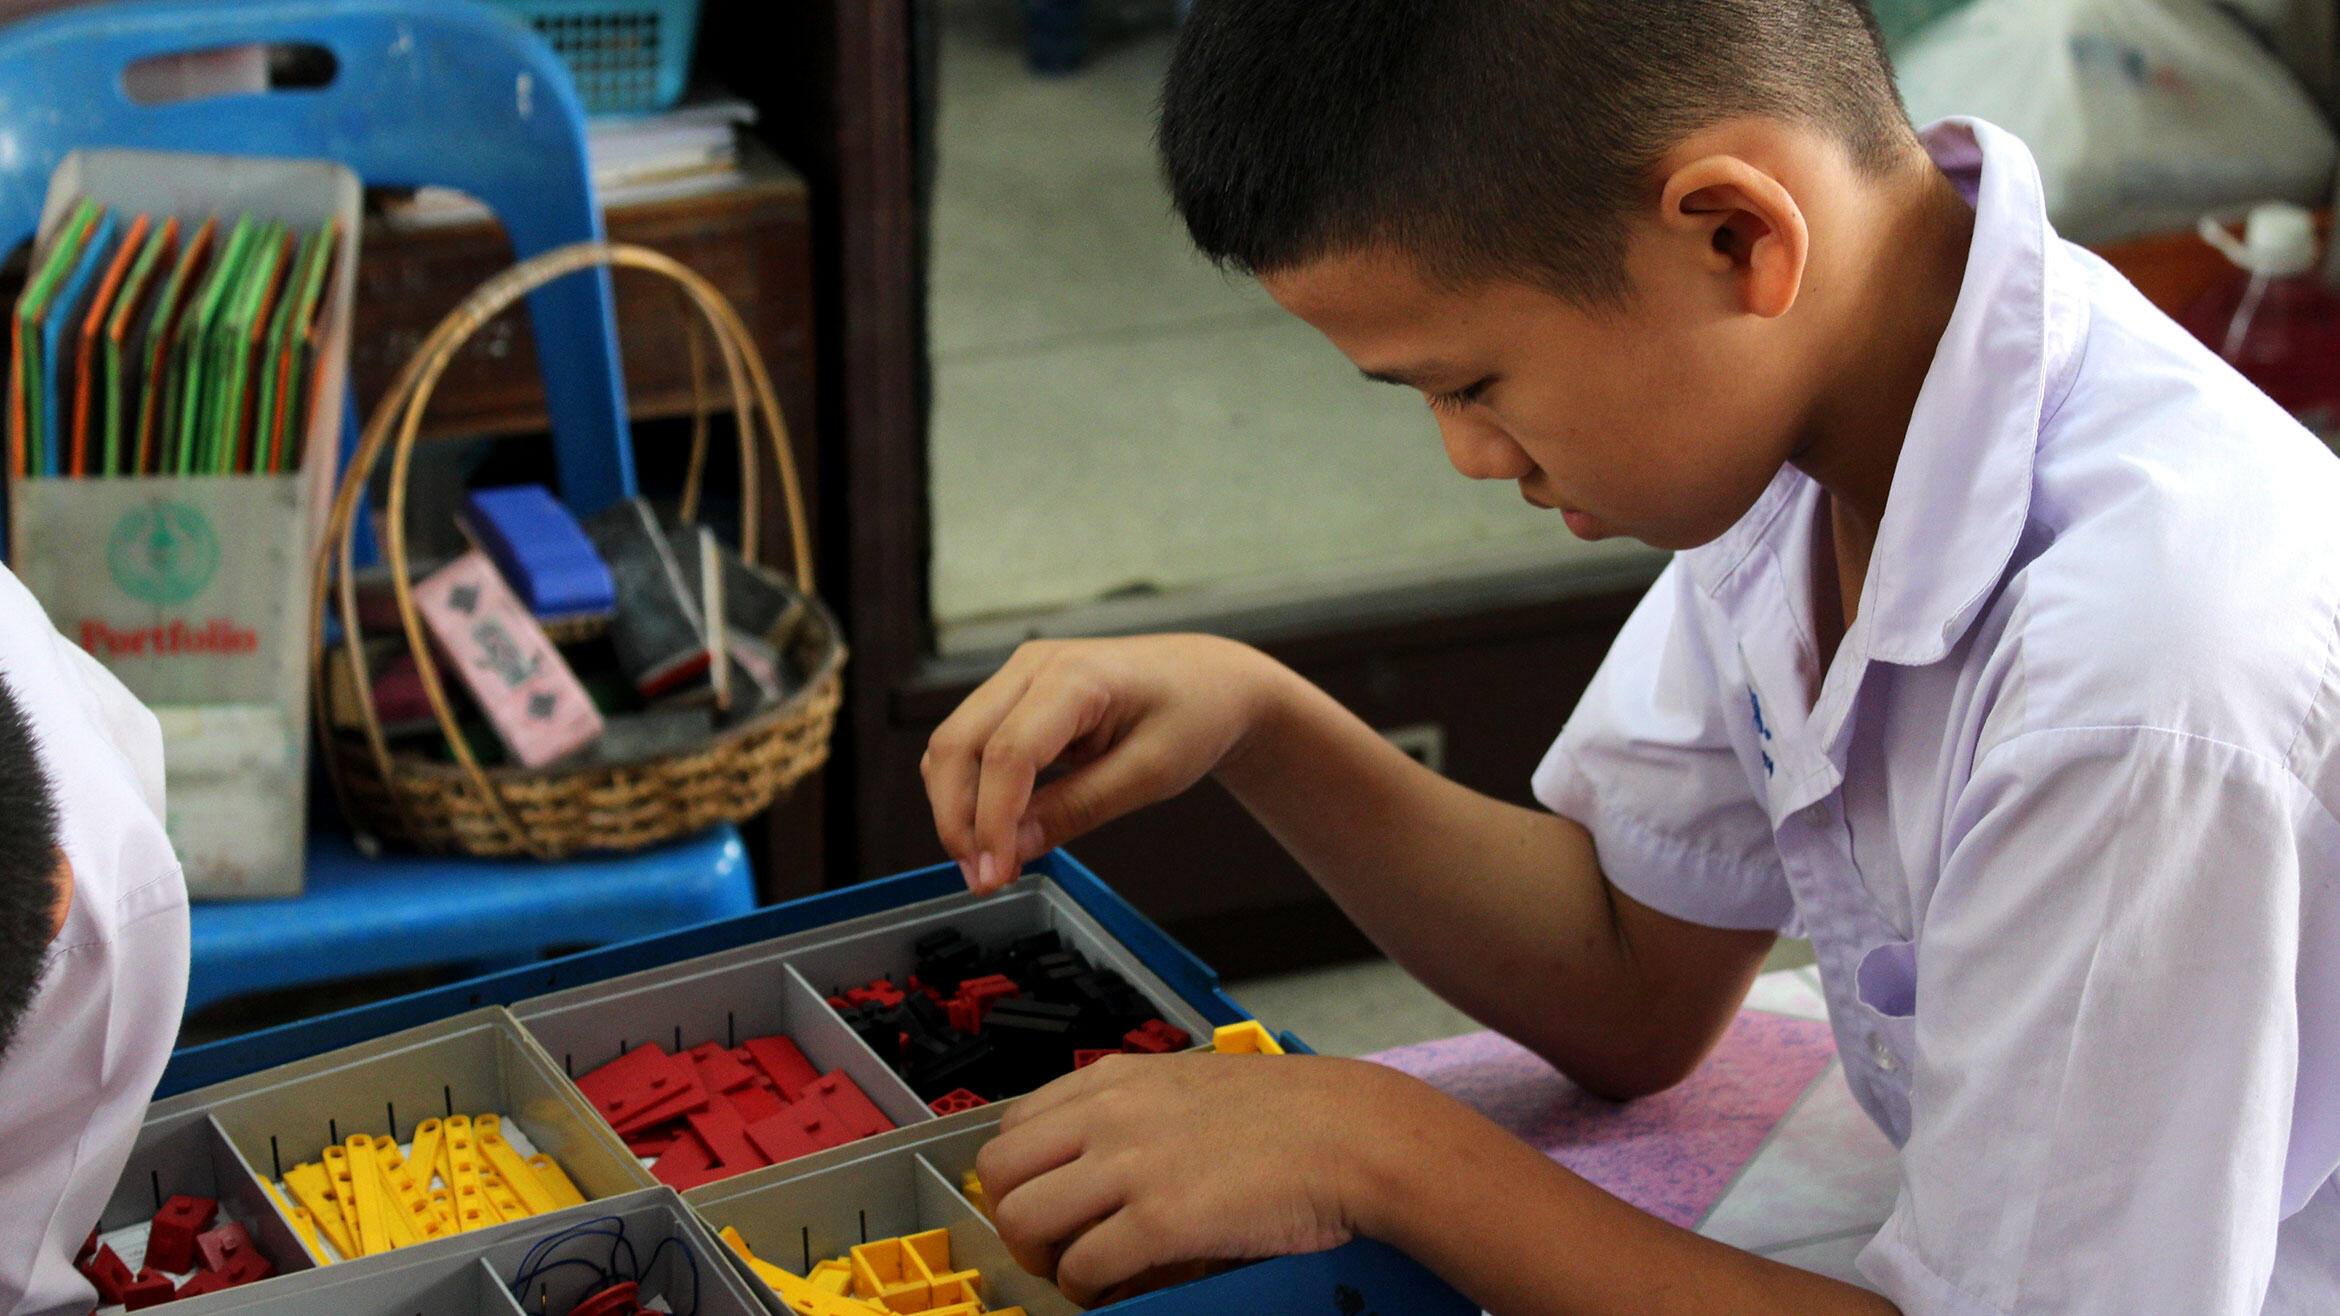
<point x="2060" y="817"/>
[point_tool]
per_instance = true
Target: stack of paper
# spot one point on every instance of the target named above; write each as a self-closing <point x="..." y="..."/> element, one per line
<point x="689" y="149"/>
<point x="140" y="349"/>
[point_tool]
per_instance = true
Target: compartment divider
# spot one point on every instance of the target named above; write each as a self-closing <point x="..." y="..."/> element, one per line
<point x="495" y="1299"/>
<point x="975" y="1244"/>
<point x="267" y="1219"/>
<point x="842" y="1048"/>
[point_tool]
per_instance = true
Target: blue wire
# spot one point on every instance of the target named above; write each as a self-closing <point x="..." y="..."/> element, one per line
<point x="675" y="1241"/>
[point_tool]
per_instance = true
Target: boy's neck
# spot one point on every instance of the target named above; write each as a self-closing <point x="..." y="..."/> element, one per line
<point x="1896" y="288"/>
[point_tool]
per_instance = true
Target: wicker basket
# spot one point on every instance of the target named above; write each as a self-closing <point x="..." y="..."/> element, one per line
<point x="554" y="811"/>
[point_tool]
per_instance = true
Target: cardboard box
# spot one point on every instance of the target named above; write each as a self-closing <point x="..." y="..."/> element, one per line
<point x="194" y="590"/>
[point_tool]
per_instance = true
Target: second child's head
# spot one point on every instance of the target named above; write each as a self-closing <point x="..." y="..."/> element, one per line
<point x="1620" y="245"/>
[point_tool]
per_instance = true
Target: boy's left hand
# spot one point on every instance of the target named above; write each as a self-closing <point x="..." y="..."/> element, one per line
<point x="1106" y="1177"/>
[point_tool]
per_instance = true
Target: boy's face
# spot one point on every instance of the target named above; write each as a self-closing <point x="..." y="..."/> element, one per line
<point x="1664" y="419"/>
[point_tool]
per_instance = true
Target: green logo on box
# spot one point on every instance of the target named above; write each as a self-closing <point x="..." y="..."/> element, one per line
<point x="163" y="553"/>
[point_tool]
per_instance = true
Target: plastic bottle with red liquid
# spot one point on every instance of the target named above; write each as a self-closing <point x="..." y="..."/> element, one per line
<point x="2273" y="320"/>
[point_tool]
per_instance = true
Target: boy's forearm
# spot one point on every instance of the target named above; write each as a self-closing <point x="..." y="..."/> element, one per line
<point x="1523" y="1236"/>
<point x="1501" y="910"/>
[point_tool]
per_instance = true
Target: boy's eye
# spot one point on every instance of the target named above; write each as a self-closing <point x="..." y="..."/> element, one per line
<point x="1461" y="397"/>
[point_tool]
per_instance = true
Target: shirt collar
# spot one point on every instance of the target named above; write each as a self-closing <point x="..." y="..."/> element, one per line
<point x="1962" y="487"/>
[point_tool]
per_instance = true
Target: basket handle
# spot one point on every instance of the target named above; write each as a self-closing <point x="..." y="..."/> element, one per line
<point x="397" y="422"/>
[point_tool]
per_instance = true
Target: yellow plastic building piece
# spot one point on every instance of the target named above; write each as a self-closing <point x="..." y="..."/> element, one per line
<point x="900" y="1272"/>
<point x="555" y="1181"/>
<point x="835" y="1275"/>
<point x="500" y="1196"/>
<point x="374" y="1232"/>
<point x="337" y="1182"/>
<point x="514" y="1171"/>
<point x="312" y="1188"/>
<point x="458" y="1155"/>
<point x="971" y="1188"/>
<point x="765" y="1270"/>
<point x="424" y="1156"/>
<point x="407" y="1193"/>
<point x="1249" y="1038"/>
<point x="304" y="1224"/>
<point x="472" y="1208"/>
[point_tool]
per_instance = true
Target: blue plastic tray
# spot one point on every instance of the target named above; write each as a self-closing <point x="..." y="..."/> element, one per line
<point x="1363" y="1278"/>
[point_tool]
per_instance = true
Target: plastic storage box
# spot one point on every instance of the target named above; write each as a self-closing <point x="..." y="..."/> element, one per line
<point x="627" y="56"/>
<point x="237" y="1113"/>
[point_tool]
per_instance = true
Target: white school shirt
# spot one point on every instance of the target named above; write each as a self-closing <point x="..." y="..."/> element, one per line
<point x="2059" y="819"/>
<point x="75" y="1082"/>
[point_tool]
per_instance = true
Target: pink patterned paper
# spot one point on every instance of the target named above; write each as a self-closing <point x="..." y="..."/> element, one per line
<point x="1671" y="1154"/>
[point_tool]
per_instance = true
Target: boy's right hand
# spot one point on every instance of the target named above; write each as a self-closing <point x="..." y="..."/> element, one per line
<point x="1131" y="720"/>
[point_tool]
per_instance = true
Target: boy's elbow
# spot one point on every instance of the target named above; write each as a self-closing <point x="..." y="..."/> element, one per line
<point x="1627" y="1077"/>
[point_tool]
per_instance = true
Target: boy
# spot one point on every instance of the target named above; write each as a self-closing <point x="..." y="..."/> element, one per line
<point x="93" y="948"/>
<point x="2001" y="658"/>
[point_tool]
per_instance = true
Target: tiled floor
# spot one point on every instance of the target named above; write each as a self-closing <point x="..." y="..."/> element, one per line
<point x="1113" y="415"/>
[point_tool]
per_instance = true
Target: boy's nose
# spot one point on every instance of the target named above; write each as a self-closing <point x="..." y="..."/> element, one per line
<point x="1483" y="452"/>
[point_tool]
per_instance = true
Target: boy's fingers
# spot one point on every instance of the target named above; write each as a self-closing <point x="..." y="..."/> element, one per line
<point x="954" y="755"/>
<point x="1125" y="777"/>
<point x="1011" y="1160"/>
<point x="1027" y="740"/>
<point x="1039" y="1219"/>
<point x="1111" y="1253"/>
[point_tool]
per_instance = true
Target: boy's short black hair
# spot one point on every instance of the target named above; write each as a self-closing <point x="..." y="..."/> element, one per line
<point x="1489" y="138"/>
<point x="30" y="863"/>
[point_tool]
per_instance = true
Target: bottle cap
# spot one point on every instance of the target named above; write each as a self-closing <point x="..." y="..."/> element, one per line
<point x="2279" y="240"/>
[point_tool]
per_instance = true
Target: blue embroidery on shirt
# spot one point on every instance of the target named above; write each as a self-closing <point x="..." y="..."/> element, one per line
<point x="1766" y="763"/>
<point x="1756" y="703"/>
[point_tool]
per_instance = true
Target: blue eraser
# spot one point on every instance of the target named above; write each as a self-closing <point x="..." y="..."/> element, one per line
<point x="541" y="551"/>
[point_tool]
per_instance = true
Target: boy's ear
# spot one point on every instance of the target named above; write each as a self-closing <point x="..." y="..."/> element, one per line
<point x="1748" y="224"/>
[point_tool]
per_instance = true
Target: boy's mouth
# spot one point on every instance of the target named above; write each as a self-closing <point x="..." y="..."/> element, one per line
<point x="1583" y="525"/>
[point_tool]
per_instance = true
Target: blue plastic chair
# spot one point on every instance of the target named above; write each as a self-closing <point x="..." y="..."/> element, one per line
<point x="424" y="92"/>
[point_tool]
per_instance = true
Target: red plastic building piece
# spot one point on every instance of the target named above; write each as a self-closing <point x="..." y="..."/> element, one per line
<point x="979" y="994"/>
<point x="852" y="1106"/>
<point x="201" y="1282"/>
<point x="1084" y="1059"/>
<point x="651" y="1142"/>
<point x="719" y="1127"/>
<point x="687" y="1164"/>
<point x="645" y="1086"/>
<point x="224" y="1248"/>
<point x="149" y="1288"/>
<point x="719" y="1070"/>
<point x="786" y="1066"/>
<point x="1155" y="1037"/>
<point x="783" y="1137"/>
<point x="757" y="1103"/>
<point x="109" y="1274"/>
<point x="170" y="1244"/>
<point x="881" y="992"/>
<point x="954" y="1101"/>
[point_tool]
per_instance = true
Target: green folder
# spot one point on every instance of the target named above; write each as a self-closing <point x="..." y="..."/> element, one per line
<point x="302" y="353"/>
<point x="189" y="389"/>
<point x="273" y="413"/>
<point x="153" y="356"/>
<point x="27" y="408"/>
<point x="231" y="347"/>
<point x="120" y="362"/>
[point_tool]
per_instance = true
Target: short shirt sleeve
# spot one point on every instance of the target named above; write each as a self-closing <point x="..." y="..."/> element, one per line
<point x="1648" y="765"/>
